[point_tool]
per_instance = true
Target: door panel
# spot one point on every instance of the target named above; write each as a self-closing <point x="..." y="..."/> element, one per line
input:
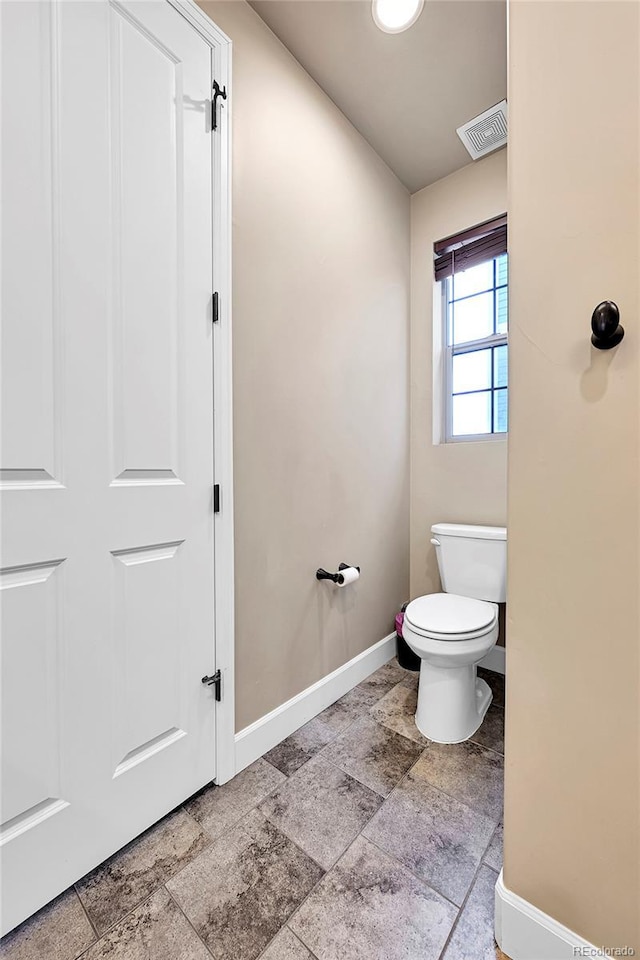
<point x="107" y="445"/>
<point x="147" y="104"/>
<point x="30" y="373"/>
<point x="31" y="655"/>
<point x="147" y="707"/>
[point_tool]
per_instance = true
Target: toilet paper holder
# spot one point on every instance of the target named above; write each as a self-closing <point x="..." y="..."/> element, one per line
<point x="336" y="577"/>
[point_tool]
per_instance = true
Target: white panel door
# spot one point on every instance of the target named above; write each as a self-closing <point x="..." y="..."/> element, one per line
<point x="107" y="582"/>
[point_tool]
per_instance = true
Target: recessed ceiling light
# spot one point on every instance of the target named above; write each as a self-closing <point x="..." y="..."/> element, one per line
<point x="394" y="16"/>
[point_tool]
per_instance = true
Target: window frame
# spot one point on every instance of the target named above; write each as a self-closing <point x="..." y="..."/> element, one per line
<point x="449" y="351"/>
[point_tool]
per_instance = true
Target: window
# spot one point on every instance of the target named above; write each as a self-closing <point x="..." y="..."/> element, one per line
<point x="475" y="318"/>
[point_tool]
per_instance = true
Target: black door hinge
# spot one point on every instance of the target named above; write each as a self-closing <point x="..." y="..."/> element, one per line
<point x="216" y="498"/>
<point x="218" y="91"/>
<point x="215" y="314"/>
<point x="215" y="680"/>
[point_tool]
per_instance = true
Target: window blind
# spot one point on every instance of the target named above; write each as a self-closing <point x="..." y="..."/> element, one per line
<point x="471" y="247"/>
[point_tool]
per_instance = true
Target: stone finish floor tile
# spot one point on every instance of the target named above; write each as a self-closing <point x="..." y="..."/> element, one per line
<point x="468" y="772"/>
<point x="111" y="890"/>
<point x="292" y="753"/>
<point x="60" y="931"/>
<point x="286" y="946"/>
<point x="438" y="838"/>
<point x="218" y="808"/>
<point x="243" y="888"/>
<point x="382" y="681"/>
<point x="155" y="930"/>
<point x="412" y="678"/>
<point x="473" y="937"/>
<point x="344" y="711"/>
<point x="397" y="709"/>
<point x="373" y="754"/>
<point x="248" y="886"/>
<point x="369" y="906"/>
<point x="491" y="732"/>
<point x="493" y="856"/>
<point x="322" y="809"/>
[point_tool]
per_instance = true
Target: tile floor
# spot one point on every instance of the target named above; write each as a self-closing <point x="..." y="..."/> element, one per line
<point x="353" y="839"/>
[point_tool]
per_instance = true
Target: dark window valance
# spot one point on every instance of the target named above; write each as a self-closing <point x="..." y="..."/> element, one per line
<point x="471" y="247"/>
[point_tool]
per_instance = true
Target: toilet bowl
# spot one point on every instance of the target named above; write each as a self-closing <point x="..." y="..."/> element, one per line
<point x="450" y="634"/>
<point x="452" y="631"/>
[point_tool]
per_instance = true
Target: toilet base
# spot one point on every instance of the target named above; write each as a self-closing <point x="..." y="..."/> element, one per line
<point x="452" y="702"/>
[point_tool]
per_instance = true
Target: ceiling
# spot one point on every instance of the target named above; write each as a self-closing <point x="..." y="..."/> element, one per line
<point x="406" y="93"/>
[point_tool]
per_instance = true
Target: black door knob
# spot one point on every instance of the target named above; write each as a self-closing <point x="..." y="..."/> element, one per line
<point x="605" y="323"/>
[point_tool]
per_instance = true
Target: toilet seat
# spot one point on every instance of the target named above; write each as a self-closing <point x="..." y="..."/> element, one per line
<point x="448" y="617"/>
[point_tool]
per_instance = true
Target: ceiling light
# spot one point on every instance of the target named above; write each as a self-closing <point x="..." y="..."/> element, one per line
<point x="394" y="16"/>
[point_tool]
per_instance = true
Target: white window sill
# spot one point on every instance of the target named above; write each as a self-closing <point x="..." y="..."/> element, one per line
<point x="477" y="438"/>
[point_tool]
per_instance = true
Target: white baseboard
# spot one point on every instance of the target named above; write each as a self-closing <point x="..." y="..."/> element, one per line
<point x="494" y="660"/>
<point x="525" y="933"/>
<point x="256" y="739"/>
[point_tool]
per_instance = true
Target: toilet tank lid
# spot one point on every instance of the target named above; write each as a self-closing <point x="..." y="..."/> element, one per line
<point x="469" y="530"/>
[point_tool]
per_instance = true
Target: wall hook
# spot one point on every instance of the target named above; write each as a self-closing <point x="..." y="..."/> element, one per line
<point x="605" y="323"/>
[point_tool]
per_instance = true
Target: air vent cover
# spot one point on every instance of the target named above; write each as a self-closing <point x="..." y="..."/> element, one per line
<point x="486" y="132"/>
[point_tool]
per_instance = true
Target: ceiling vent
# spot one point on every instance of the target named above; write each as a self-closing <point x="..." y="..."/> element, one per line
<point x="486" y="132"/>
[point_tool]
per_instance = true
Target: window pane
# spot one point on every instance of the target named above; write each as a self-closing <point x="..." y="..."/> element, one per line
<point x="500" y="411"/>
<point x="472" y="371"/>
<point x="502" y="310"/>
<point x="502" y="271"/>
<point x="471" y="414"/>
<point x="500" y="367"/>
<point x="473" y="318"/>
<point x="448" y="306"/>
<point x="473" y="280"/>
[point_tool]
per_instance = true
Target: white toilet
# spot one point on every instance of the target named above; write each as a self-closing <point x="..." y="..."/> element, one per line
<point x="453" y="631"/>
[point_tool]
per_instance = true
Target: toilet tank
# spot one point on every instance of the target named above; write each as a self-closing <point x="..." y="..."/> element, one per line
<point x="472" y="560"/>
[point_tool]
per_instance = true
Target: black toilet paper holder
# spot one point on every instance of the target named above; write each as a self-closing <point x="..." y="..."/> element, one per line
<point x="336" y="577"/>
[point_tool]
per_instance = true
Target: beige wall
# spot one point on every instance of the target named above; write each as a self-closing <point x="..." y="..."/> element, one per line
<point x="450" y="482"/>
<point x="572" y="815"/>
<point x="320" y="315"/>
